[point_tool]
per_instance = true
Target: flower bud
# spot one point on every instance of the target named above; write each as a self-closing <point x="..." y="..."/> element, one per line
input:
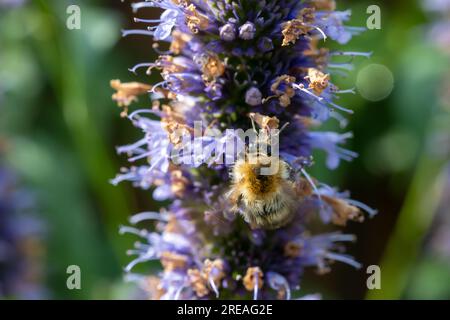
<point x="227" y="32"/>
<point x="253" y="97"/>
<point x="247" y="31"/>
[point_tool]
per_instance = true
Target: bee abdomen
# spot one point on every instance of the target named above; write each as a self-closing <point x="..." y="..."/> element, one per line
<point x="270" y="214"/>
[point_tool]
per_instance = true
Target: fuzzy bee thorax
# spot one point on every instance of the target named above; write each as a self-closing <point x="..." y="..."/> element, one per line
<point x="265" y="201"/>
<point x="257" y="184"/>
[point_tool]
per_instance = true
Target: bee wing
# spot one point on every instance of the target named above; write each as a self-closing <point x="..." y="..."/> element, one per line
<point x="234" y="196"/>
<point x="291" y="172"/>
<point x="289" y="194"/>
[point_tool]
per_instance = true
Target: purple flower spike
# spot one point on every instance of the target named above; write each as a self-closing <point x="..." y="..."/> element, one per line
<point x="241" y="81"/>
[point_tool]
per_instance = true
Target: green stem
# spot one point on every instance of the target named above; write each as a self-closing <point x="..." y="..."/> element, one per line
<point x="69" y="78"/>
<point x="414" y="221"/>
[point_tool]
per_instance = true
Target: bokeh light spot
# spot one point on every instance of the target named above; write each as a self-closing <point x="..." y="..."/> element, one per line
<point x="375" y="82"/>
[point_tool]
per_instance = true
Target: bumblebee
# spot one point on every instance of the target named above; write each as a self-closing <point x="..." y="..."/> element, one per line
<point x="263" y="192"/>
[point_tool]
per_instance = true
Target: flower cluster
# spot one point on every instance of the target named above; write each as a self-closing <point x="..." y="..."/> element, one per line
<point x="439" y="31"/>
<point x="11" y="3"/>
<point x="238" y="65"/>
<point x="20" y="242"/>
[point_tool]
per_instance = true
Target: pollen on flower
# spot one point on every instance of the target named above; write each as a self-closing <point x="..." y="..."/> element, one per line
<point x="253" y="276"/>
<point x="181" y="2"/>
<point x="343" y="211"/>
<point x="172" y="261"/>
<point x="176" y="131"/>
<point x="292" y="30"/>
<point x="318" y="81"/>
<point x="169" y="64"/>
<point x="198" y="282"/>
<point x="282" y="87"/>
<point x="179" y="40"/>
<point x="212" y="68"/>
<point x="307" y="15"/>
<point x="295" y="28"/>
<point x="265" y="122"/>
<point x="170" y="114"/>
<point x="326" y="5"/>
<point x="195" y="20"/>
<point x="178" y="182"/>
<point x="172" y="225"/>
<point x="127" y="93"/>
<point x="214" y="270"/>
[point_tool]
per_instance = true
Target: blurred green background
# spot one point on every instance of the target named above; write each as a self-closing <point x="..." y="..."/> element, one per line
<point x="61" y="128"/>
